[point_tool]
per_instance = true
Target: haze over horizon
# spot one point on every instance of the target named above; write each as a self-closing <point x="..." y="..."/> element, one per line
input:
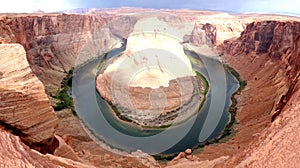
<point x="236" y="6"/>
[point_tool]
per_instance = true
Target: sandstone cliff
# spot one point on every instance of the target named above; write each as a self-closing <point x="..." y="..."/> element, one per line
<point x="25" y="111"/>
<point x="267" y="56"/>
<point x="24" y="108"/>
<point x="278" y="42"/>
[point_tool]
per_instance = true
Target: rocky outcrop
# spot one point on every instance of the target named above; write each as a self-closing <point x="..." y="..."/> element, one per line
<point x="155" y="101"/>
<point x="145" y="82"/>
<point x="193" y="162"/>
<point x="203" y="34"/>
<point x="14" y="153"/>
<point x="269" y="59"/>
<point x="146" y="159"/>
<point x="276" y="145"/>
<point x="26" y="112"/>
<point x="121" y="26"/>
<point x="65" y="150"/>
<point x="24" y="108"/>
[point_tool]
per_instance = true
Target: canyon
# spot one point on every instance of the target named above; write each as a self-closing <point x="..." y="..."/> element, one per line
<point x="263" y="49"/>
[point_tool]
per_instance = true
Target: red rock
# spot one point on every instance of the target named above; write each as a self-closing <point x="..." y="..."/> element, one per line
<point x="188" y="151"/>
<point x="24" y="106"/>
<point x="14" y="153"/>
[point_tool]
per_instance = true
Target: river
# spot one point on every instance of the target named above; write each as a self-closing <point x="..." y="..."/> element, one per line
<point x="207" y="124"/>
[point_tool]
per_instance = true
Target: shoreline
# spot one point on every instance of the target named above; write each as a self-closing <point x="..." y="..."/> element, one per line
<point x="229" y="131"/>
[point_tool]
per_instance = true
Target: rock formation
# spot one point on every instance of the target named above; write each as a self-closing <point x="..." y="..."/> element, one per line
<point x="14" y="153"/>
<point x="24" y="108"/>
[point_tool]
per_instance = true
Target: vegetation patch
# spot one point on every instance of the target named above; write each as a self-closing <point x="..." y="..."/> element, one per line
<point x="164" y="158"/>
<point x="62" y="95"/>
<point x="242" y="82"/>
<point x="204" y="81"/>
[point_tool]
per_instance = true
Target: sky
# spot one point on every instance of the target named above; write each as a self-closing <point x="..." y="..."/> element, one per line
<point x="238" y="6"/>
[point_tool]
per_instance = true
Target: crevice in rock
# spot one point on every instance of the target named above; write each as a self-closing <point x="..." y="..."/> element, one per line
<point x="285" y="99"/>
<point x="46" y="146"/>
<point x="13" y="130"/>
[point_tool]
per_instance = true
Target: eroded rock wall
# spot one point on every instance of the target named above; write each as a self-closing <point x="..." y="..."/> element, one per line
<point x="278" y="43"/>
<point x="24" y="108"/>
<point x="267" y="56"/>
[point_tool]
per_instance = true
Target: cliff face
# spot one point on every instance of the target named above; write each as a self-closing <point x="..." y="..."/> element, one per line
<point x="24" y="108"/>
<point x="267" y="56"/>
<point x="170" y="98"/>
<point x="154" y="106"/>
<point x="55" y="43"/>
<point x="278" y="43"/>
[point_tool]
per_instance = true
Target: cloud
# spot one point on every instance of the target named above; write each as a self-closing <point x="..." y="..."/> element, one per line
<point x="274" y="6"/>
<point x="54" y="5"/>
<point x="19" y="6"/>
<point x="16" y="6"/>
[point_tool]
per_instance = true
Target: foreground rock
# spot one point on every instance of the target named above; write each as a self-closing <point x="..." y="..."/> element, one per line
<point x="24" y="108"/>
<point x="14" y="153"/>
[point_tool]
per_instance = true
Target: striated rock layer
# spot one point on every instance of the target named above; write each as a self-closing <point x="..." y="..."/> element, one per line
<point x="267" y="56"/>
<point x="14" y="153"/>
<point x="26" y="112"/>
<point x="24" y="107"/>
